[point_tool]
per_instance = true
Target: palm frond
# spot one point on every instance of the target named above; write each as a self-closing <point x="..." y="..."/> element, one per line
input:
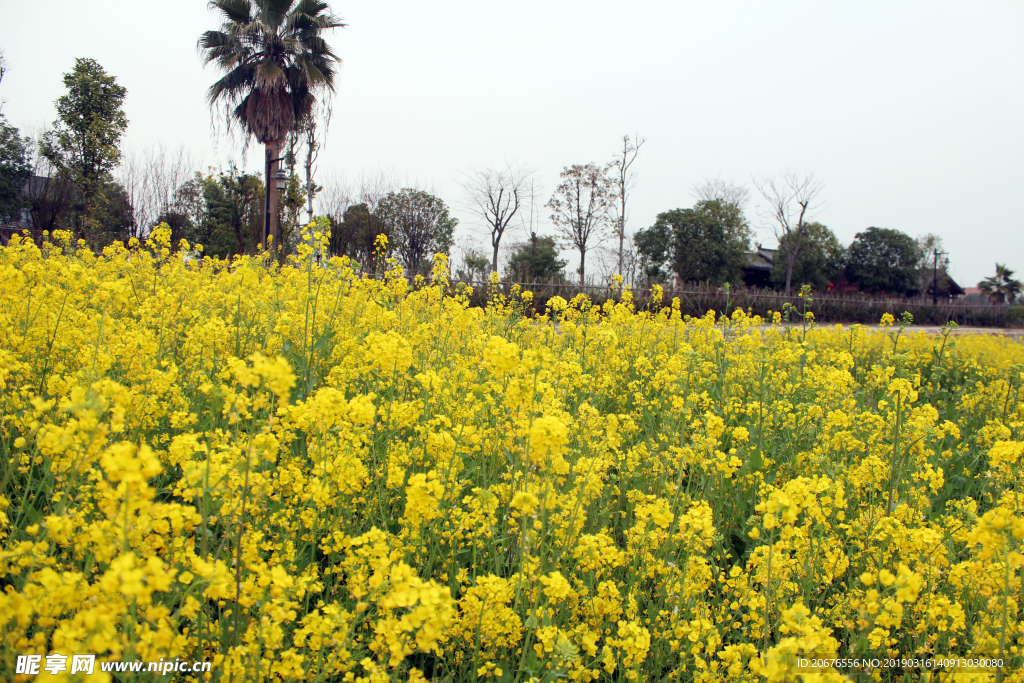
<point x="303" y="104"/>
<point x="278" y="6"/>
<point x="317" y="72"/>
<point x="274" y="13"/>
<point x="222" y="48"/>
<point x="235" y="11"/>
<point x="233" y="85"/>
<point x="318" y="46"/>
<point x="247" y="29"/>
<point x="311" y="17"/>
<point x="275" y="62"/>
<point x="309" y="7"/>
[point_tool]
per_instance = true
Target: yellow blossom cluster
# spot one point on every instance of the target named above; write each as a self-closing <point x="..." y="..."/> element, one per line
<point x="307" y="472"/>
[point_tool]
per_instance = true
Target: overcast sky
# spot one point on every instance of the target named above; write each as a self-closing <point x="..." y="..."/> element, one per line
<point x="910" y="113"/>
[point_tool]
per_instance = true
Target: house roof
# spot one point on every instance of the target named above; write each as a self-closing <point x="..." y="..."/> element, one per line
<point x="762" y="259"/>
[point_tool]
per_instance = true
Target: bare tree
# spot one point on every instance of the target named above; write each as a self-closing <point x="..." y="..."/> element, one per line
<point x="716" y="189"/>
<point x="632" y="265"/>
<point x="312" y="152"/>
<point x="580" y="208"/>
<point x="339" y="191"/>
<point x="152" y="179"/>
<point x="336" y="196"/>
<point x="529" y="218"/>
<point x="495" y="196"/>
<point x="135" y="181"/>
<point x="305" y="135"/>
<point x="3" y="70"/>
<point x="603" y="264"/>
<point x="623" y="179"/>
<point x="790" y="207"/>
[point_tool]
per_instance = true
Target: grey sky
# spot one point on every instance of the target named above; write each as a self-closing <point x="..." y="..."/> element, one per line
<point x="911" y="113"/>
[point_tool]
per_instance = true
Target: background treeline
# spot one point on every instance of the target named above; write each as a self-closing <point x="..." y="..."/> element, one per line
<point x="712" y="243"/>
<point x="75" y="176"/>
<point x="223" y="210"/>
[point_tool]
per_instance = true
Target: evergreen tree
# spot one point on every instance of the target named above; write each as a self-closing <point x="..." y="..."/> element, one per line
<point x="883" y="260"/>
<point x="536" y="261"/>
<point x="15" y="170"/>
<point x="84" y="144"/>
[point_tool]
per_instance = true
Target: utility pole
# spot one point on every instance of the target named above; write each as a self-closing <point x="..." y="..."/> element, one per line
<point x="266" y="220"/>
<point x="935" y="275"/>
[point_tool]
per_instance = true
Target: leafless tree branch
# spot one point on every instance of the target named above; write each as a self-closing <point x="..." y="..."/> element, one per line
<point x="495" y="196"/>
<point x="151" y="178"/>
<point x="623" y="180"/>
<point x="580" y="208"/>
<point x="791" y="202"/>
<point x="712" y="189"/>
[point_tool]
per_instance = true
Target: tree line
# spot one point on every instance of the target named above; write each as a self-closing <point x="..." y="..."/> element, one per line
<point x="276" y="78"/>
<point x="710" y="242"/>
<point x="75" y="176"/>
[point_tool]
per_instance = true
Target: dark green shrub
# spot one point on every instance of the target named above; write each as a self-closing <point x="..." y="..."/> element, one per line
<point x="1015" y="316"/>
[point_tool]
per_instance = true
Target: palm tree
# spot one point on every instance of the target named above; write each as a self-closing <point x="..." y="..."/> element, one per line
<point x="275" y="64"/>
<point x="1001" y="287"/>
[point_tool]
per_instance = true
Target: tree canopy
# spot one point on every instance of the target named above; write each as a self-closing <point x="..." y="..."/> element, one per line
<point x="355" y="234"/>
<point x="654" y="245"/>
<point x="883" y="260"/>
<point x="536" y="260"/>
<point x="275" y="62"/>
<point x="276" y="65"/>
<point x="580" y="206"/>
<point x="15" y="169"/>
<point x="819" y="262"/>
<point x="707" y="243"/>
<point x="475" y="264"/>
<point x="419" y="225"/>
<point x="232" y="214"/>
<point x="84" y="144"/>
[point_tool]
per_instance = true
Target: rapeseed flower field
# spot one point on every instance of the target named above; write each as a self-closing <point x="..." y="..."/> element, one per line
<point x="303" y="473"/>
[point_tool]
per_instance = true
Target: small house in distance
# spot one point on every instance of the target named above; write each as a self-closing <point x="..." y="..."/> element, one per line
<point x="945" y="287"/>
<point x="757" y="270"/>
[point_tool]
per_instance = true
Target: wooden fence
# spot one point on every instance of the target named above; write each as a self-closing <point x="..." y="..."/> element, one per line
<point x="697" y="299"/>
